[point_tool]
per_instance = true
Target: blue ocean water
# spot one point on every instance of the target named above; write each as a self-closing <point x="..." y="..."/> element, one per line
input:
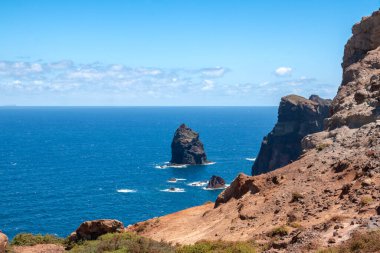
<point x="60" y="166"/>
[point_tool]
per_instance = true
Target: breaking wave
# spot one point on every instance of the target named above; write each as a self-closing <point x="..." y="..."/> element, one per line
<point x="173" y="190"/>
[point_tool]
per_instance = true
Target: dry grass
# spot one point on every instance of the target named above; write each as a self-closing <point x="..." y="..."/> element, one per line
<point x="219" y="247"/>
<point x="122" y="242"/>
<point x="366" y="201"/>
<point x="359" y="242"/>
<point x="279" y="231"/>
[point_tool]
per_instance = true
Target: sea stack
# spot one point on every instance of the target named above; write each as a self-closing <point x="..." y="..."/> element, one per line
<point x="297" y="117"/>
<point x="187" y="147"/>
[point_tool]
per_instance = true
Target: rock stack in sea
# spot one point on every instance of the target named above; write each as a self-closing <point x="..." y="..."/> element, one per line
<point x="297" y="117"/>
<point x="187" y="148"/>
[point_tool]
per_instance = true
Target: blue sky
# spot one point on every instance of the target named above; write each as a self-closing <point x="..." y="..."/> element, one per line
<point x="172" y="52"/>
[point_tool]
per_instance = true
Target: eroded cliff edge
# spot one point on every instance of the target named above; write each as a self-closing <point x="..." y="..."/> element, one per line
<point x="297" y="117"/>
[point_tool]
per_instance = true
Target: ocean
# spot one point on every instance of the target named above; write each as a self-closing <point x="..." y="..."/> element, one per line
<point x="60" y="166"/>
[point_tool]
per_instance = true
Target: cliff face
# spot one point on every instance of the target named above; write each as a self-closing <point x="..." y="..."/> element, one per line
<point x="326" y="195"/>
<point x="357" y="102"/>
<point x="187" y="147"/>
<point x="297" y="117"/>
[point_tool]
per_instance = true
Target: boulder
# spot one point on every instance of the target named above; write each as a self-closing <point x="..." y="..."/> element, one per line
<point x="91" y="230"/>
<point x="187" y="147"/>
<point x="241" y="185"/>
<point x="297" y="117"/>
<point x="216" y="182"/>
<point x="3" y="242"/>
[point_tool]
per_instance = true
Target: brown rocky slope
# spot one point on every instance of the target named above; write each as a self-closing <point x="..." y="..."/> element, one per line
<point x="332" y="190"/>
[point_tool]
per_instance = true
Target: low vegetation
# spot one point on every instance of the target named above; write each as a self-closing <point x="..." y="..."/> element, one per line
<point x="142" y="227"/>
<point x="360" y="242"/>
<point x="219" y="247"/>
<point x="322" y="146"/>
<point x="132" y="243"/>
<point x="295" y="225"/>
<point x="279" y="231"/>
<point x="26" y="239"/>
<point x="120" y="243"/>
<point x="366" y="201"/>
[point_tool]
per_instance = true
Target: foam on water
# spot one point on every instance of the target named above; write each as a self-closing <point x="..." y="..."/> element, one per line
<point x="214" y="189"/>
<point x="251" y="159"/>
<point x="126" y="191"/>
<point x="173" y="190"/>
<point x="176" y="180"/>
<point x="162" y="167"/>
<point x="198" y="183"/>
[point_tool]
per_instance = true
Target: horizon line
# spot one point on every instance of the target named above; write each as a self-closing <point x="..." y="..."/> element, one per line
<point x="120" y="106"/>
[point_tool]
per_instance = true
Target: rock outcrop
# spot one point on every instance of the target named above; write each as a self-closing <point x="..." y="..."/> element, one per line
<point x="3" y="242"/>
<point x="297" y="117"/>
<point x="216" y="182"/>
<point x="187" y="148"/>
<point x="240" y="186"/>
<point x="358" y="100"/>
<point x="91" y="230"/>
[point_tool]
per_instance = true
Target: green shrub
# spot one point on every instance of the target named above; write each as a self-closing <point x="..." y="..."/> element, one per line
<point x="142" y="226"/>
<point x="294" y="224"/>
<point x="122" y="242"/>
<point x="26" y="239"/>
<point x="279" y="231"/>
<point x="366" y="201"/>
<point x="218" y="247"/>
<point x="322" y="146"/>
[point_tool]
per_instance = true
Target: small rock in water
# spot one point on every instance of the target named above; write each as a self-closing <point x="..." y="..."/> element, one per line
<point x="216" y="182"/>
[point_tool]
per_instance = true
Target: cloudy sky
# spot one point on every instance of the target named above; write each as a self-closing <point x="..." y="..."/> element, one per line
<point x="172" y="52"/>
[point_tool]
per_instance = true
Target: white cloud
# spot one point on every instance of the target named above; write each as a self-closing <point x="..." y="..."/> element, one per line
<point x="208" y="85"/>
<point x="283" y="71"/>
<point x="67" y="76"/>
<point x="213" y="72"/>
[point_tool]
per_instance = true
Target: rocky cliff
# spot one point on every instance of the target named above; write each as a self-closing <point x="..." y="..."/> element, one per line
<point x="297" y="117"/>
<point x="357" y="102"/>
<point x="331" y="192"/>
<point x="187" y="148"/>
